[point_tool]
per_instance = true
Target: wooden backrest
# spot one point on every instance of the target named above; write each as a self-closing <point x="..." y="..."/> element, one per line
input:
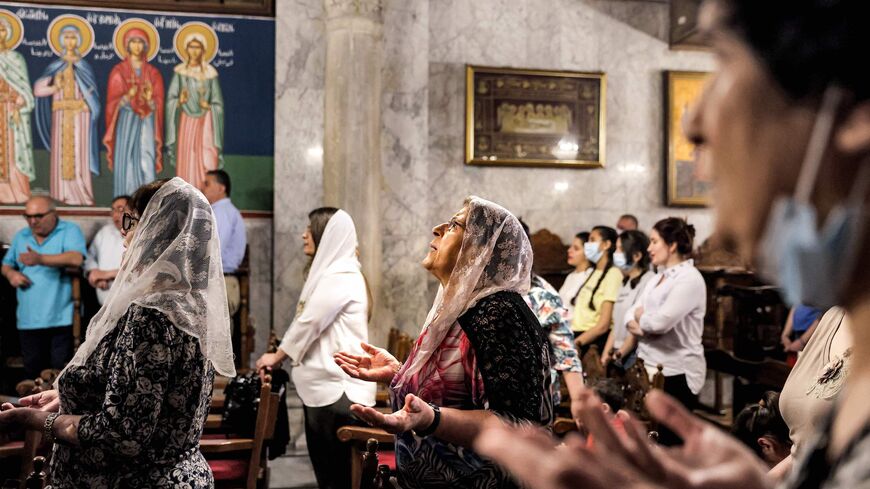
<point x="550" y="257"/>
<point x="263" y="430"/>
<point x="403" y="347"/>
<point x="592" y="368"/>
<point x="393" y="341"/>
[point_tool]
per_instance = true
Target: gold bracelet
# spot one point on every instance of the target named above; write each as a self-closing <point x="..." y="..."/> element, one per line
<point x="48" y="428"/>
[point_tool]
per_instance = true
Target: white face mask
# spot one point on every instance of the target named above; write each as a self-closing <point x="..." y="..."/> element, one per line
<point x="592" y="251"/>
<point x="621" y="262"/>
<point x="813" y="266"/>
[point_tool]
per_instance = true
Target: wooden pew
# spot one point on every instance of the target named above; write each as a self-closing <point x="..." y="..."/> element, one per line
<point x="248" y="464"/>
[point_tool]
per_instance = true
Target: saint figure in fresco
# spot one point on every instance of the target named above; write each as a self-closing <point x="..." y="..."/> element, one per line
<point x="16" y="104"/>
<point x="67" y="109"/>
<point x="134" y="109"/>
<point x="195" y="106"/>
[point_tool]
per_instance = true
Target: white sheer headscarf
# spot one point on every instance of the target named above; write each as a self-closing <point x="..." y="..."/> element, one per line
<point x="173" y="265"/>
<point x="336" y="253"/>
<point x="495" y="256"/>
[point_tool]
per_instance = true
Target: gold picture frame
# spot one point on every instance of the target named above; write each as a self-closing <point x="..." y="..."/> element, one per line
<point x="685" y="185"/>
<point x="525" y="117"/>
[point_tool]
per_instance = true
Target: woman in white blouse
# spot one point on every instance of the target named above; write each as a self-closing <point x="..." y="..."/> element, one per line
<point x="668" y="319"/>
<point x="331" y="316"/>
<point x="575" y="279"/>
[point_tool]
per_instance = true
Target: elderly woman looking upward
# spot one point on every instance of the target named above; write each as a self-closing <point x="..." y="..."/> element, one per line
<point x="481" y="354"/>
<point x="133" y="400"/>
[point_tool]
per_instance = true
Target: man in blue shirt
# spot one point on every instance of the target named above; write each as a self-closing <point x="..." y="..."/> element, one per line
<point x="231" y="231"/>
<point x="34" y="265"/>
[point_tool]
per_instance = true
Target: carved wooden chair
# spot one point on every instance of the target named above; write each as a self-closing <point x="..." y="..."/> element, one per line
<point x="241" y="462"/>
<point x="360" y="439"/>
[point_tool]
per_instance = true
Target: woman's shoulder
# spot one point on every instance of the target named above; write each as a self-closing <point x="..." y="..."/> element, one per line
<point x="152" y="322"/>
<point x="497" y="305"/>
<point x="614" y="274"/>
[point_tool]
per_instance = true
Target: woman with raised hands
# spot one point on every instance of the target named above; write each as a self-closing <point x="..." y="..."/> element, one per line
<point x="481" y="355"/>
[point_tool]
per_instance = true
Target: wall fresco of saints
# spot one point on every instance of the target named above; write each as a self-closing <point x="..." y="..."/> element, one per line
<point x="138" y="120"/>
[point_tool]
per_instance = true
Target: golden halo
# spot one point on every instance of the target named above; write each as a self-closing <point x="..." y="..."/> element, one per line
<point x="84" y="28"/>
<point x="17" y="34"/>
<point x="135" y="23"/>
<point x="201" y="28"/>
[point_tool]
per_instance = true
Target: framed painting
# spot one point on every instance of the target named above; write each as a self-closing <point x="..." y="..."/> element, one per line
<point x="534" y="117"/>
<point x="686" y="183"/>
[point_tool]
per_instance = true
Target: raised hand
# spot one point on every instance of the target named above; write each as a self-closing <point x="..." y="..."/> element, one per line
<point x="377" y="365"/>
<point x="415" y="415"/>
<point x="709" y="458"/>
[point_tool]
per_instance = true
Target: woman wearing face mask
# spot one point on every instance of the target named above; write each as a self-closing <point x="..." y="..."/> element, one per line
<point x="784" y="124"/>
<point x="668" y="319"/>
<point x="593" y="305"/>
<point x="575" y="279"/>
<point x="332" y="315"/>
<point x="632" y="259"/>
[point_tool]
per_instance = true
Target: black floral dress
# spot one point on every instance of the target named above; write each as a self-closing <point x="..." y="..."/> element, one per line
<point x="495" y="357"/>
<point x="143" y="396"/>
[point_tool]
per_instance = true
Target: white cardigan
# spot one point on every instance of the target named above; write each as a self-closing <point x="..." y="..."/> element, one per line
<point x="335" y="318"/>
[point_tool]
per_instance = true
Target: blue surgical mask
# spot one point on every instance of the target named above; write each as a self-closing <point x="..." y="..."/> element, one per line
<point x="620" y="262"/>
<point x="592" y="251"/>
<point x="812" y="266"/>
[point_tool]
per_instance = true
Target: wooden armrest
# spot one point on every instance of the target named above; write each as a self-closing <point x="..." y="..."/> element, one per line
<point x="226" y="445"/>
<point x="12" y="449"/>
<point x="564" y="425"/>
<point x="361" y="433"/>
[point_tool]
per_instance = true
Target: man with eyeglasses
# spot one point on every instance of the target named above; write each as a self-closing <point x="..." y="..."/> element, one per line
<point x="106" y="250"/>
<point x="34" y="265"/>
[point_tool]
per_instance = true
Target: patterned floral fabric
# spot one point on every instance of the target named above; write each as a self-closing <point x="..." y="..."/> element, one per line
<point x="143" y="396"/>
<point x="546" y="303"/>
<point x="494" y="357"/>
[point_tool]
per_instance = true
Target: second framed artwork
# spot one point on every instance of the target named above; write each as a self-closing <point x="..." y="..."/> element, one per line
<point x="534" y="117"/>
<point x="685" y="181"/>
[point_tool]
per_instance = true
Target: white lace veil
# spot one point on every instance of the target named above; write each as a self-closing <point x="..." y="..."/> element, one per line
<point x="173" y="265"/>
<point x="495" y="255"/>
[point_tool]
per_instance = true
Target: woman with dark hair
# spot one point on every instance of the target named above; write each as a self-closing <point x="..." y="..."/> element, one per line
<point x="668" y="319"/>
<point x="130" y="407"/>
<point x="481" y="355"/>
<point x="633" y="260"/>
<point x="331" y="316"/>
<point x="575" y="279"/>
<point x="784" y="124"/>
<point x="760" y="427"/>
<point x="593" y="304"/>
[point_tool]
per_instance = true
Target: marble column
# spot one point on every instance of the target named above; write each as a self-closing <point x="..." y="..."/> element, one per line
<point x="352" y="128"/>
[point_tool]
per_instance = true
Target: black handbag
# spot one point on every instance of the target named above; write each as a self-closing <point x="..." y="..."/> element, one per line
<point x="241" y="400"/>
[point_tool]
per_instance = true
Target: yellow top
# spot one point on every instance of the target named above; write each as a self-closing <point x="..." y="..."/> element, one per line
<point x="584" y="317"/>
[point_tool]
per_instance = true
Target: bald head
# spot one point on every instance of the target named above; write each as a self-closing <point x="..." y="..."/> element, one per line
<point x="39" y="211"/>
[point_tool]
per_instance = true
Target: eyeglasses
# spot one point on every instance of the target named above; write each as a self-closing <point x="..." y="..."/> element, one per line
<point x="37" y="217"/>
<point x="127" y="222"/>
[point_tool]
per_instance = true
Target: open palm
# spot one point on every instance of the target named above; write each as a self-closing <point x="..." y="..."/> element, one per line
<point x="377" y="365"/>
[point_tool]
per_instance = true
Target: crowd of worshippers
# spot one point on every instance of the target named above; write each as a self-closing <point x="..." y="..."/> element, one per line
<point x="39" y="254"/>
<point x="784" y="126"/>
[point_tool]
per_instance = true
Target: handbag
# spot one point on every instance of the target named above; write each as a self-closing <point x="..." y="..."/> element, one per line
<point x="241" y="400"/>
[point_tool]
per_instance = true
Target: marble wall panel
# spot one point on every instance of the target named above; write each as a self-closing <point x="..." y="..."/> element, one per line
<point x="299" y="73"/>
